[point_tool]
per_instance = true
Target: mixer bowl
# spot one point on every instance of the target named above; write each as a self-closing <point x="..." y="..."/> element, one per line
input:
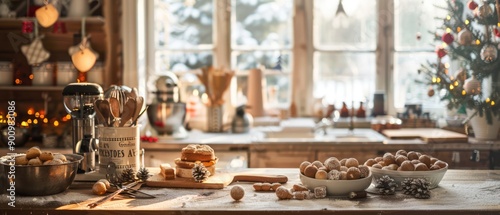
<point x="167" y="118"/>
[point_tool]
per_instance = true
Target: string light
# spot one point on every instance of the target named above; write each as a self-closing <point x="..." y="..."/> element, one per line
<point x="56" y="123"/>
<point x="438" y="80"/>
<point x="455" y="83"/>
<point x="467" y="22"/>
<point x="45" y="120"/>
<point x="451" y="87"/>
<point x="35" y="121"/>
<point x="492" y="103"/>
<point x="448" y="17"/>
<point x="448" y="30"/>
<point x="478" y="42"/>
<point x="459" y="29"/>
<point x="488" y="100"/>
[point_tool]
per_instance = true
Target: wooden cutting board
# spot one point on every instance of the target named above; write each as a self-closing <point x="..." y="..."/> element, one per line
<point x="218" y="181"/>
<point x="429" y="135"/>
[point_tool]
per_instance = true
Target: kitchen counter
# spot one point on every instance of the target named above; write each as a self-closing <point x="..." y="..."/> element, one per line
<point x="460" y="192"/>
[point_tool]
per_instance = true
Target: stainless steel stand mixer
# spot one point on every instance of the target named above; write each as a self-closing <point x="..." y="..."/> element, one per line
<point x="79" y="102"/>
<point x="167" y="114"/>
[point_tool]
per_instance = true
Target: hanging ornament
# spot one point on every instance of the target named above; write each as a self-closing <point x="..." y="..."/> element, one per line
<point x="83" y="58"/>
<point x="27" y="27"/>
<point x="496" y="32"/>
<point x="484" y="11"/>
<point x="47" y="15"/>
<point x="472" y="86"/>
<point x="419" y="36"/>
<point x="465" y="37"/>
<point x="74" y="49"/>
<point x="35" y="52"/>
<point x="489" y="53"/>
<point x="447" y="38"/>
<point x="461" y="75"/>
<point x="441" y="52"/>
<point x="472" y="5"/>
<point x="431" y="92"/>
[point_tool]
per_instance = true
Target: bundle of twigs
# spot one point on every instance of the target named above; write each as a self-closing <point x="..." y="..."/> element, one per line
<point x="216" y="82"/>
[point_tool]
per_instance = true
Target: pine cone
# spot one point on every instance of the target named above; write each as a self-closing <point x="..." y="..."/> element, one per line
<point x="128" y="175"/>
<point x="418" y="187"/>
<point x="386" y="185"/>
<point x="200" y="173"/>
<point x="143" y="174"/>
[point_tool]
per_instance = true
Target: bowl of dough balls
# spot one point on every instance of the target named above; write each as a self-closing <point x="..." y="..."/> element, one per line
<point x="340" y="177"/>
<point x="403" y="165"/>
<point x="37" y="172"/>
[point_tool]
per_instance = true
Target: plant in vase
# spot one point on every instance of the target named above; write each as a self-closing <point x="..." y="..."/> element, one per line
<point x="470" y="37"/>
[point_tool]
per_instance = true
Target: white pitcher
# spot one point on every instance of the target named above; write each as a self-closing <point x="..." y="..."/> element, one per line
<point x="80" y="8"/>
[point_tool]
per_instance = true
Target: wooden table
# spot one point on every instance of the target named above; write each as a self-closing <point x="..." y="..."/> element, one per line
<point x="460" y="192"/>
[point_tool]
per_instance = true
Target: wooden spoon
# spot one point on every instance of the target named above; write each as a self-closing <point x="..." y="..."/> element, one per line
<point x="102" y="111"/>
<point x="114" y="106"/>
<point x="128" y="111"/>
<point x="139" y="103"/>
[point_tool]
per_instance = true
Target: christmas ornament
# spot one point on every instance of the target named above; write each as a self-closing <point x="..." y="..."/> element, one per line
<point x="128" y="175"/>
<point x="47" y="15"/>
<point x="35" y="52"/>
<point x="496" y="32"/>
<point x="431" y="92"/>
<point x="441" y="52"/>
<point x="419" y="36"/>
<point x="472" y="86"/>
<point x="472" y="5"/>
<point x="484" y="11"/>
<point x="461" y="75"/>
<point x="418" y="187"/>
<point x="84" y="59"/>
<point x="465" y="37"/>
<point x="447" y="38"/>
<point x="200" y="173"/>
<point x="74" y="49"/>
<point x="386" y="185"/>
<point x="27" y="27"/>
<point x="489" y="53"/>
<point x="143" y="174"/>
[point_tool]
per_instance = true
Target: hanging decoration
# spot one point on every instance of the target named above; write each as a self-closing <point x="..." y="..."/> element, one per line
<point x="472" y="86"/>
<point x="489" y="53"/>
<point x="447" y="38"/>
<point x="465" y="37"/>
<point x="472" y="5"/>
<point x="47" y="15"/>
<point x="83" y="56"/>
<point x="35" y="52"/>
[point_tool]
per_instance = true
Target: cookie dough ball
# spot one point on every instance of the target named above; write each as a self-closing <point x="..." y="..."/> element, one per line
<point x="401" y="152"/>
<point x="300" y="195"/>
<point x="332" y="164"/>
<point x="299" y="187"/>
<point x="317" y="164"/>
<point x="321" y="174"/>
<point x="310" y="171"/>
<point x="412" y="155"/>
<point x="283" y="193"/>
<point x="343" y="168"/>
<point x="99" y="188"/>
<point x="421" y="167"/>
<point x="365" y="171"/>
<point x="275" y="186"/>
<point x="53" y="162"/>
<point x="378" y="166"/>
<point x="106" y="182"/>
<point x="342" y="162"/>
<point x="370" y="162"/>
<point x="303" y="166"/>
<point x="257" y="186"/>
<point x="351" y="162"/>
<point x="266" y="186"/>
<point x="60" y="157"/>
<point x="441" y="163"/>
<point x="323" y="168"/>
<point x="21" y="160"/>
<point x="343" y="175"/>
<point x="407" y="166"/>
<point x="387" y="168"/>
<point x="425" y="159"/>
<point x="33" y="152"/>
<point x="415" y="162"/>
<point x="400" y="159"/>
<point x="435" y="167"/>
<point x="378" y="159"/>
<point x="237" y="192"/>
<point x="393" y="166"/>
<point x="35" y="162"/>
<point x="389" y="159"/>
<point x="45" y="156"/>
<point x="433" y="160"/>
<point x="334" y="175"/>
<point x="353" y="173"/>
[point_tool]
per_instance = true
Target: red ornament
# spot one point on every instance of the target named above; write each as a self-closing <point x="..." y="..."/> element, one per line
<point x="497" y="32"/>
<point x="441" y="52"/>
<point x="472" y="5"/>
<point x="447" y="38"/>
<point x="27" y="27"/>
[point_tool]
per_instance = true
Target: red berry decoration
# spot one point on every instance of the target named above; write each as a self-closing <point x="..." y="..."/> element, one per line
<point x="472" y="5"/>
<point x="497" y="32"/>
<point x="447" y="38"/>
<point x="441" y="52"/>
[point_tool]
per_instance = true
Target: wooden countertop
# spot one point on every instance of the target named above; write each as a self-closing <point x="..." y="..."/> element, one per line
<point x="460" y="192"/>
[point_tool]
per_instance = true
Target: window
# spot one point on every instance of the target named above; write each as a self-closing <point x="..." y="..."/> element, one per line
<point x="351" y="48"/>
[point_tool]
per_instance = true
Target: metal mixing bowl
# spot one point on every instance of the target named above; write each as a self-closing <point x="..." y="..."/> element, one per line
<point x="39" y="180"/>
<point x="167" y="118"/>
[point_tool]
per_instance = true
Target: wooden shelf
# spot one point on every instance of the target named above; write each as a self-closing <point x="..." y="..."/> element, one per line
<point x="32" y="88"/>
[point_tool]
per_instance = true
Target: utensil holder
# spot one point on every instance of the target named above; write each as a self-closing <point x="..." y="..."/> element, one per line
<point x="119" y="145"/>
<point x="214" y="120"/>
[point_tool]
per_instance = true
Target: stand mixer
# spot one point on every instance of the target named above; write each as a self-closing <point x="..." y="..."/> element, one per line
<point x="79" y="102"/>
<point x="166" y="114"/>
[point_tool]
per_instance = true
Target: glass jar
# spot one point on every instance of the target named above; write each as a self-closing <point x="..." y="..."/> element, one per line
<point x="6" y="73"/>
<point x="43" y="74"/>
<point x="66" y="73"/>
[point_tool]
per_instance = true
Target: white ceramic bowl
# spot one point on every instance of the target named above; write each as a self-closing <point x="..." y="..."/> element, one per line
<point x="337" y="187"/>
<point x="433" y="176"/>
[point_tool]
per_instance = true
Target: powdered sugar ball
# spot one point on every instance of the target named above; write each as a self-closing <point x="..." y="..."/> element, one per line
<point x="237" y="192"/>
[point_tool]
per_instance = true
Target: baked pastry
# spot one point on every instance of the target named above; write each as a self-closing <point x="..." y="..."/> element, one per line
<point x="45" y="156"/>
<point x="21" y="160"/>
<point x="197" y="152"/>
<point x="33" y="152"/>
<point x="167" y="171"/>
<point x="190" y="164"/>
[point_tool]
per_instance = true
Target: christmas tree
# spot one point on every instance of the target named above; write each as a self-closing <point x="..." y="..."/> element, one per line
<point x="470" y="38"/>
